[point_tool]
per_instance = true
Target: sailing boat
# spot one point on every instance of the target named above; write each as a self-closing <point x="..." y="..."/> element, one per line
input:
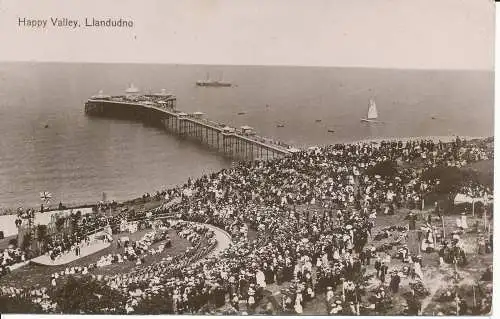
<point x="372" y="113"/>
<point x="212" y="83"/>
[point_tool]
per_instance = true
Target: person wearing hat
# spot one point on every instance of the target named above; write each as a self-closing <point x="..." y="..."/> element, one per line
<point x="338" y="304"/>
<point x="352" y="308"/>
<point x="383" y="271"/>
<point x="378" y="264"/>
<point x="286" y="301"/>
<point x="235" y="302"/>
<point x="379" y="300"/>
<point x="251" y="298"/>
<point x="395" y="281"/>
<point x="298" y="307"/>
<point x="412" y="218"/>
<point x="329" y="293"/>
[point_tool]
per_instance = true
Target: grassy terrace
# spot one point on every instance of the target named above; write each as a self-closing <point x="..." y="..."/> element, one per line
<point x="32" y="275"/>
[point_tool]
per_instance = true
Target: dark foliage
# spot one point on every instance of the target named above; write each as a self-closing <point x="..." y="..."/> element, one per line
<point x="450" y="179"/>
<point x="384" y="169"/>
<point x="26" y="241"/>
<point x="59" y="224"/>
<point x="155" y="305"/>
<point x="13" y="242"/>
<point x="18" y="305"/>
<point x="89" y="296"/>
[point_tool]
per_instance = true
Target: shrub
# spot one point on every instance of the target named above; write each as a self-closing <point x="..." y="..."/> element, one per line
<point x="18" y="305"/>
<point x="87" y="295"/>
<point x="384" y="169"/>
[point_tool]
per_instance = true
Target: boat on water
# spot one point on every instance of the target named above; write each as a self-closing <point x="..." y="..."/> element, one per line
<point x="280" y="125"/>
<point x="213" y="83"/>
<point x="372" y="115"/>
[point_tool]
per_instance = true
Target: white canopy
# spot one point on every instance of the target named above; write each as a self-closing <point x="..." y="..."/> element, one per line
<point x="462" y="198"/>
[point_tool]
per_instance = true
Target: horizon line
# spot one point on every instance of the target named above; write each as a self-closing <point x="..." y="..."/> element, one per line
<point x="255" y="65"/>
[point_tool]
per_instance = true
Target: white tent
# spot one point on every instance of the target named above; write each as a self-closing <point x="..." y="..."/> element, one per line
<point x="462" y="198"/>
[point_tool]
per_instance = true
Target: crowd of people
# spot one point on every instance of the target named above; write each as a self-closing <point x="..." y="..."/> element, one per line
<point x="264" y="195"/>
<point x="9" y="257"/>
<point x="313" y="213"/>
<point x="137" y="250"/>
<point x="58" y="247"/>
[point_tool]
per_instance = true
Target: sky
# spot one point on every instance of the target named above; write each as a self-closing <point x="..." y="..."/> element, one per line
<point x="410" y="34"/>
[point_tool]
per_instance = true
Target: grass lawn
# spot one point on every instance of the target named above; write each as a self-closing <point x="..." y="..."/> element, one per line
<point x="32" y="275"/>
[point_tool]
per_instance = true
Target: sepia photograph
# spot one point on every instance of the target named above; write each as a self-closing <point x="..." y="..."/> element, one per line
<point x="247" y="157"/>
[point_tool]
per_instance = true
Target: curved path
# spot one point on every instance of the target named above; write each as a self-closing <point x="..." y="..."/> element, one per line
<point x="223" y="240"/>
<point x="222" y="237"/>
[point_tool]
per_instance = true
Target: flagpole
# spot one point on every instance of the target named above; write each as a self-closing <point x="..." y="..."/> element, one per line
<point x="474" y="295"/>
<point x="444" y="230"/>
<point x="484" y="218"/>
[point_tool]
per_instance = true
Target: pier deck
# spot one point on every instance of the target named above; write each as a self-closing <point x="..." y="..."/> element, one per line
<point x="241" y="143"/>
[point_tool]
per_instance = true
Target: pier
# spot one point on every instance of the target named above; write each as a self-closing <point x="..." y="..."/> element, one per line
<point x="160" y="108"/>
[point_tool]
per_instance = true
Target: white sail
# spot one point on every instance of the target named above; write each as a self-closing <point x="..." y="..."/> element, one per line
<point x="372" y="111"/>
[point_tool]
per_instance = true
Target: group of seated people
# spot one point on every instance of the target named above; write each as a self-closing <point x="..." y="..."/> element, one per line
<point x="193" y="232"/>
<point x="137" y="250"/>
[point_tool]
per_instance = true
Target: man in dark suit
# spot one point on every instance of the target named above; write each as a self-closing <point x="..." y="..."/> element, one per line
<point x="395" y="280"/>
<point x="378" y="264"/>
<point x="383" y="271"/>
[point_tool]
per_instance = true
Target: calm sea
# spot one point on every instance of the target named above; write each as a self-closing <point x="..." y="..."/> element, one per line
<point x="78" y="158"/>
